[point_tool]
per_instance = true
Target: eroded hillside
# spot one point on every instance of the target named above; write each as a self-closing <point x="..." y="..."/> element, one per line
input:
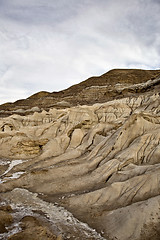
<point x="115" y="84"/>
<point x="99" y="162"/>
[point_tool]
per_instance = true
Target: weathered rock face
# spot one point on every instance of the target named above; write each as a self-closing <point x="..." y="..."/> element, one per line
<point x="101" y="162"/>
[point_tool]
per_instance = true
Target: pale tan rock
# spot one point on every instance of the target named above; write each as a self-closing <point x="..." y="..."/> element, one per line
<point x="137" y="221"/>
<point x="56" y="146"/>
<point x="76" y="138"/>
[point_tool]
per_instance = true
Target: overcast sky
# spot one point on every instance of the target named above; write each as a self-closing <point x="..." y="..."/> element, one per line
<point x="52" y="44"/>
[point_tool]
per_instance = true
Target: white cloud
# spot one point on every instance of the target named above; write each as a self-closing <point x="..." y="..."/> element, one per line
<point x="50" y="45"/>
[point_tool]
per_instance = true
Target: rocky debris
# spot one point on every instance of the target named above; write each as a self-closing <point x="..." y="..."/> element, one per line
<point x="99" y="161"/>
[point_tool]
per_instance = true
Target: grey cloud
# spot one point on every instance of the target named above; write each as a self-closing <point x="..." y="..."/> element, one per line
<point x="41" y="11"/>
<point x="50" y="45"/>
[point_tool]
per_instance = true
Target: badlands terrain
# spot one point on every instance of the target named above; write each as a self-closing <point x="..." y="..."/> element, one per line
<point x="83" y="163"/>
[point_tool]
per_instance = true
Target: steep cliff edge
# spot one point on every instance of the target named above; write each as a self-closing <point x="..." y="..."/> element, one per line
<point x="100" y="161"/>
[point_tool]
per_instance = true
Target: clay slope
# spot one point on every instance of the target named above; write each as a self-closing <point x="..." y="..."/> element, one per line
<point x="115" y="84"/>
<point x="100" y="162"/>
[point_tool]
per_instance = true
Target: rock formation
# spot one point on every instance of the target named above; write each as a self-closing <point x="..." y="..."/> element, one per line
<point x="98" y="161"/>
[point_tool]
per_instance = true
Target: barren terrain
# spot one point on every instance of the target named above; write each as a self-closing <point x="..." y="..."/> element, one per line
<point x="83" y="163"/>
